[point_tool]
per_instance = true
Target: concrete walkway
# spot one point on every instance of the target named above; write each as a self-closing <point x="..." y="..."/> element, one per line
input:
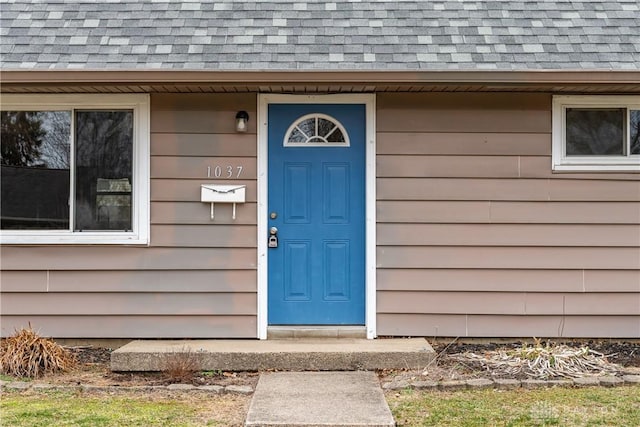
<point x="319" y="399"/>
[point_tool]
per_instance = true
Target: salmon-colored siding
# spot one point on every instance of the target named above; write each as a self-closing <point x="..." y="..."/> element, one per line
<point x="475" y="234"/>
<point x="477" y="237"/>
<point x="197" y="278"/>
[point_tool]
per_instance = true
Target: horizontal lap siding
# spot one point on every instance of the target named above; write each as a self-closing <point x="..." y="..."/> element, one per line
<point x="477" y="237"/>
<point x="131" y="326"/>
<point x="508" y="212"/>
<point x="475" y="325"/>
<point x="198" y="276"/>
<point x="149" y="281"/>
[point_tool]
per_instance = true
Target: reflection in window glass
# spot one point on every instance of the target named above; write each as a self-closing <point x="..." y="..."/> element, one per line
<point x="325" y="127"/>
<point x="308" y="127"/>
<point x="104" y="159"/>
<point x="597" y="132"/>
<point x="35" y="154"/>
<point x="634" y="138"/>
<point x="336" y="136"/>
<point x="297" y="136"/>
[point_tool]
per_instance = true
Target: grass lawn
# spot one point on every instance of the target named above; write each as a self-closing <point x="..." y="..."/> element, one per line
<point x="134" y="409"/>
<point x="594" y="406"/>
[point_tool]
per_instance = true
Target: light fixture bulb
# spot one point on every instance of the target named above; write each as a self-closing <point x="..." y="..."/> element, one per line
<point x="242" y="118"/>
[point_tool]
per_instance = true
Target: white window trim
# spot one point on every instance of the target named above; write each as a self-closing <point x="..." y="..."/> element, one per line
<point x="562" y="162"/>
<point x="139" y="103"/>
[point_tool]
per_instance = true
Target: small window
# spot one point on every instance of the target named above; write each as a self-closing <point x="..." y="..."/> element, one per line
<point x="596" y="133"/>
<point x="316" y="130"/>
<point x="74" y="169"/>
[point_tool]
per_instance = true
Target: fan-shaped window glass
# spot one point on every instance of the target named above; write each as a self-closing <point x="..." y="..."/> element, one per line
<point x="316" y="130"/>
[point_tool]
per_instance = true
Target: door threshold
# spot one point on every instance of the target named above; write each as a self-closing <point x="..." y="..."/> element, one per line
<point x="311" y="331"/>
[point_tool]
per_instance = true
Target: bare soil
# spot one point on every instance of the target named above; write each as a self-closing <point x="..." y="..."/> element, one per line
<point x="626" y="354"/>
<point x="93" y="366"/>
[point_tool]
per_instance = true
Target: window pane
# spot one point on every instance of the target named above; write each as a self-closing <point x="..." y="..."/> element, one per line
<point x="35" y="169"/>
<point x="324" y="127"/>
<point x="598" y="132"/>
<point x="336" y="136"/>
<point x="308" y="127"/>
<point x="635" y="131"/>
<point x="297" y="136"/>
<point x="104" y="158"/>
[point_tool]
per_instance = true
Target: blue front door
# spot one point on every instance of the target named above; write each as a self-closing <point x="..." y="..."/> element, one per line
<point x="317" y="204"/>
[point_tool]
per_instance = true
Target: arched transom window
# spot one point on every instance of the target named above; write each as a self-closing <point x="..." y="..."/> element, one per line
<point x="316" y="130"/>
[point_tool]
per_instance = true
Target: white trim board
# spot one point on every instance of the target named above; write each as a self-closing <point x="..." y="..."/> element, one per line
<point x="369" y="100"/>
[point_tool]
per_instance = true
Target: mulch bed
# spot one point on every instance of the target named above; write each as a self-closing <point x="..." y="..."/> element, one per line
<point x="444" y="368"/>
<point x="93" y="366"/>
<point x="624" y="353"/>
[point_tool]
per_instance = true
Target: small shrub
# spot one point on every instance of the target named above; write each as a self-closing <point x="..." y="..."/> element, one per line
<point x="180" y="366"/>
<point x="27" y="354"/>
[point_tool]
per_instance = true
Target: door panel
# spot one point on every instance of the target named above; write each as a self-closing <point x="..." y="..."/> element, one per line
<point x="336" y="270"/>
<point x="336" y="191"/>
<point x="297" y="193"/>
<point x="317" y="193"/>
<point x="297" y="285"/>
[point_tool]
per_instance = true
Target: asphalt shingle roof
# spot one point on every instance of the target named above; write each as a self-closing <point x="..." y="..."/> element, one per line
<point x="320" y="35"/>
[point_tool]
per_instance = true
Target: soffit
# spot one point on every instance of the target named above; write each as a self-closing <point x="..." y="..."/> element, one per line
<point x="316" y="82"/>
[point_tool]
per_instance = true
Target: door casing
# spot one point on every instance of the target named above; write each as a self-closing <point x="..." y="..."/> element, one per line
<point x="368" y="100"/>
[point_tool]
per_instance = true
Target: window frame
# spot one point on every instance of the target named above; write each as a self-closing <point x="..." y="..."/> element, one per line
<point x="140" y="215"/>
<point x="561" y="162"/>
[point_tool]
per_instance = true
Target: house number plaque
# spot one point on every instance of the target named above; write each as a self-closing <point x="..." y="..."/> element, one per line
<point x="224" y="171"/>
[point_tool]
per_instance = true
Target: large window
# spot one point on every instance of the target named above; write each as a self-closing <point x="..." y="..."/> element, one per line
<point x="594" y="133"/>
<point x="74" y="169"/>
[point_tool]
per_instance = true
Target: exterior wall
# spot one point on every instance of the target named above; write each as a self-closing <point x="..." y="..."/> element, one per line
<point x="197" y="278"/>
<point x="477" y="237"/>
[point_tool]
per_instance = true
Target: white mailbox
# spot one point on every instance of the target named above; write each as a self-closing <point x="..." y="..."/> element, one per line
<point x="214" y="193"/>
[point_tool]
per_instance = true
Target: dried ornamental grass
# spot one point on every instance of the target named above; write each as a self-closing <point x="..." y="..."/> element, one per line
<point x="180" y="366"/>
<point x="542" y="361"/>
<point x="26" y="354"/>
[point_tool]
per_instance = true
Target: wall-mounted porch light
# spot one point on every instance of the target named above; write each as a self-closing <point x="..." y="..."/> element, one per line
<point x="242" y="118"/>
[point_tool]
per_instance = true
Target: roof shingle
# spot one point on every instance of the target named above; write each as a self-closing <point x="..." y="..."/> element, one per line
<point x="320" y="35"/>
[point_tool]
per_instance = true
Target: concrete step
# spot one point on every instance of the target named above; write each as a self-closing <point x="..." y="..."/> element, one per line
<point x="289" y="332"/>
<point x="318" y="354"/>
<point x="319" y="399"/>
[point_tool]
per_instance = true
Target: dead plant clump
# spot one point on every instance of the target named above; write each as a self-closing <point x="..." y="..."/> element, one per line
<point x="26" y="354"/>
<point x="542" y="361"/>
<point x="180" y="366"/>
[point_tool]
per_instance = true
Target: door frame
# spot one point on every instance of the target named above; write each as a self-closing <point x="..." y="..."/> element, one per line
<point x="369" y="101"/>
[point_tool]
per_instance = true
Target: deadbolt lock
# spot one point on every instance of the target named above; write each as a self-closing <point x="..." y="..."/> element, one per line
<point x="273" y="238"/>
